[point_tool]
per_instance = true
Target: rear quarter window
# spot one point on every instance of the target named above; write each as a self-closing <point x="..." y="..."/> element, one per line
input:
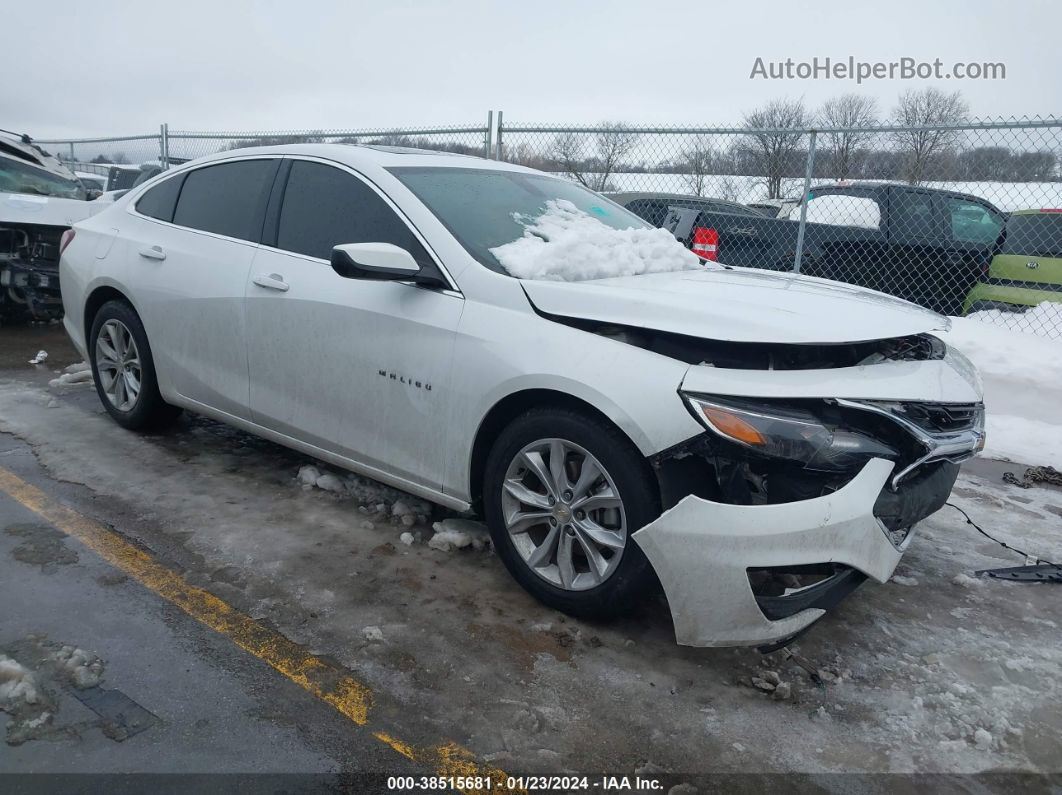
<point x="1034" y="235"/>
<point x="160" y="201"/>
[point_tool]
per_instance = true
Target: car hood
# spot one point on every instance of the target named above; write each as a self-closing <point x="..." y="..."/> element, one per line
<point x="737" y="305"/>
<point x="29" y="208"/>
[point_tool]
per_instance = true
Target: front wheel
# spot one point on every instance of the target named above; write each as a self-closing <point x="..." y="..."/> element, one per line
<point x="563" y="492"/>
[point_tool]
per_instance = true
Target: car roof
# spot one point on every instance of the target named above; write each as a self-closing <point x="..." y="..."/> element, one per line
<point x="368" y="157"/>
<point x="23" y="149"/>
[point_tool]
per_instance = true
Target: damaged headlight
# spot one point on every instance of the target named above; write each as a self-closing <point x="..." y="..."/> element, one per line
<point x="787" y="432"/>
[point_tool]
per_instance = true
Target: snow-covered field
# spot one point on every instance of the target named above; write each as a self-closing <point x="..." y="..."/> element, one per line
<point x="1006" y="196"/>
<point x="1023" y="382"/>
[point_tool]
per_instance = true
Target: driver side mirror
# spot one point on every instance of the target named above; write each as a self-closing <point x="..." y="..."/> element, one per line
<point x="381" y="261"/>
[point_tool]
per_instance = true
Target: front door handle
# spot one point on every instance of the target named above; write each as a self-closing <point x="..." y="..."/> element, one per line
<point x="271" y="281"/>
<point x="153" y="252"/>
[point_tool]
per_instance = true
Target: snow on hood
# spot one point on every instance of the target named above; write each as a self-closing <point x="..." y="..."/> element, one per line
<point x="738" y="305"/>
<point x="566" y="244"/>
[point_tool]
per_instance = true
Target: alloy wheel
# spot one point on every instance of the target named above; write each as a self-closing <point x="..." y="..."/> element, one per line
<point x="564" y="514"/>
<point x="118" y="365"/>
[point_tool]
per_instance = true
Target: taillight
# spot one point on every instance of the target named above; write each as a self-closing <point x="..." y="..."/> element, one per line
<point x="65" y="240"/>
<point x="706" y="243"/>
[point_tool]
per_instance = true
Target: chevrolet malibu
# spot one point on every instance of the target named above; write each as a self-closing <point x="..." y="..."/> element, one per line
<point x="493" y="339"/>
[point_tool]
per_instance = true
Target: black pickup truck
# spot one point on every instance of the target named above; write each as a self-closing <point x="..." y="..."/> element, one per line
<point x="925" y="245"/>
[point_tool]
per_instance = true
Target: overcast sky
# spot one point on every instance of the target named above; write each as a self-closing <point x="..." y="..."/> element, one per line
<point x="114" y="67"/>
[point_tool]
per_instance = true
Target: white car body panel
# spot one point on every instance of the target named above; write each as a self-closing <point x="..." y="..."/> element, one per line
<point x="940" y="381"/>
<point x="29" y="208"/>
<point x="278" y="344"/>
<point x="701" y="551"/>
<point x="728" y="304"/>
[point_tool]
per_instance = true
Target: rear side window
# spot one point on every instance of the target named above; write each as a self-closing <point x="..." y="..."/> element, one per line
<point x="160" y="201"/>
<point x="227" y="199"/>
<point x="911" y="214"/>
<point x="1034" y="235"/>
<point x="326" y="207"/>
<point x="972" y="222"/>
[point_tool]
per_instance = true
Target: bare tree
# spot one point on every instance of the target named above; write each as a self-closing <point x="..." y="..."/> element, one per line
<point x="696" y="165"/>
<point x="612" y="143"/>
<point x="930" y="111"/>
<point x="775" y="133"/>
<point x="854" y="113"/>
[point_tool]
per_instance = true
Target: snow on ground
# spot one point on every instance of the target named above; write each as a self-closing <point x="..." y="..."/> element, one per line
<point x="388" y="508"/>
<point x="1007" y="196"/>
<point x="458" y="534"/>
<point x="1023" y="384"/>
<point x="566" y="244"/>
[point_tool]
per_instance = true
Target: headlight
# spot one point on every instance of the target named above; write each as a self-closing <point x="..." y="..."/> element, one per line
<point x="787" y="432"/>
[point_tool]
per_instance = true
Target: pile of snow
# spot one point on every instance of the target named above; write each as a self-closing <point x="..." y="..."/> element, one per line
<point x="82" y="668"/>
<point x="841" y="210"/>
<point x="1023" y="384"/>
<point x="566" y="244"/>
<point x="40" y="358"/>
<point x="17" y="685"/>
<point x="68" y="379"/>
<point x="385" y="504"/>
<point x="80" y="367"/>
<point x="458" y="534"/>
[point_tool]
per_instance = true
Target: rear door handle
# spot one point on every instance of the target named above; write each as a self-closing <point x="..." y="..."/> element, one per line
<point x="153" y="252"/>
<point x="271" y="281"/>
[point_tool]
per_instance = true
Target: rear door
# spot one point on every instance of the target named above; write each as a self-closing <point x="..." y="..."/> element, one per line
<point x="915" y="255"/>
<point x="192" y="249"/>
<point x="357" y="367"/>
<point x="972" y="231"/>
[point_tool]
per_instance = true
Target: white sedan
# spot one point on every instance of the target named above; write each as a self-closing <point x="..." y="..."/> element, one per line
<point x="499" y="340"/>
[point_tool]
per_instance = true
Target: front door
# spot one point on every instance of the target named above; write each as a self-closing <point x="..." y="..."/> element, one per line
<point x="360" y="368"/>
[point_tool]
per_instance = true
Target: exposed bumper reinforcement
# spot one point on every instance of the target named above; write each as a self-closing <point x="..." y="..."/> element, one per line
<point x="702" y="550"/>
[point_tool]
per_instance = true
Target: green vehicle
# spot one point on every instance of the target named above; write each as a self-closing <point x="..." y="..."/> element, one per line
<point x="1028" y="268"/>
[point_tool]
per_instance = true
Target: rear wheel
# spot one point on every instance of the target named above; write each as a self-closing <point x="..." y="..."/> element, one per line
<point x="124" y="371"/>
<point x="563" y="492"/>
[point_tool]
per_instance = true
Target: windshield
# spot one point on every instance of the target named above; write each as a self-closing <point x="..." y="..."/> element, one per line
<point x="18" y="177"/>
<point x="487" y="209"/>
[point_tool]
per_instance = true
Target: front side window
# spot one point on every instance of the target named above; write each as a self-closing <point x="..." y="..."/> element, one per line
<point x="325" y="207"/>
<point x="483" y="208"/>
<point x="160" y="201"/>
<point x="227" y="199"/>
<point x="972" y="222"/>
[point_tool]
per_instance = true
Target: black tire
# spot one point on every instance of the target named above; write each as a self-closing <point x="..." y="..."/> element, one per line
<point x="149" y="411"/>
<point x="633" y="578"/>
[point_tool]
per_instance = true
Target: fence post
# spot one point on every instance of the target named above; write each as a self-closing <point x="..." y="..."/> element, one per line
<point x="164" y="145"/>
<point x="488" y="135"/>
<point x="498" y="140"/>
<point x="72" y="160"/>
<point x="804" y="204"/>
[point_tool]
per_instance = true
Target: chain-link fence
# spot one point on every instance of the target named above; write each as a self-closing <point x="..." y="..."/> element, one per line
<point x="964" y="219"/>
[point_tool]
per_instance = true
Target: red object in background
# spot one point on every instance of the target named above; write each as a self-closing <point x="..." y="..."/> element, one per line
<point x="706" y="243"/>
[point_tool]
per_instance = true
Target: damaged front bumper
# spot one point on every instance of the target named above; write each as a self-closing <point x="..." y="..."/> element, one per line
<point x="704" y="552"/>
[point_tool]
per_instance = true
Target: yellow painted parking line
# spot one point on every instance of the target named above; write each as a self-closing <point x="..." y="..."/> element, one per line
<point x="326" y="681"/>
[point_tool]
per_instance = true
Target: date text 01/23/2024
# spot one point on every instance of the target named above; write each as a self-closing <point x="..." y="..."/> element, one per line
<point x="523" y="783"/>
